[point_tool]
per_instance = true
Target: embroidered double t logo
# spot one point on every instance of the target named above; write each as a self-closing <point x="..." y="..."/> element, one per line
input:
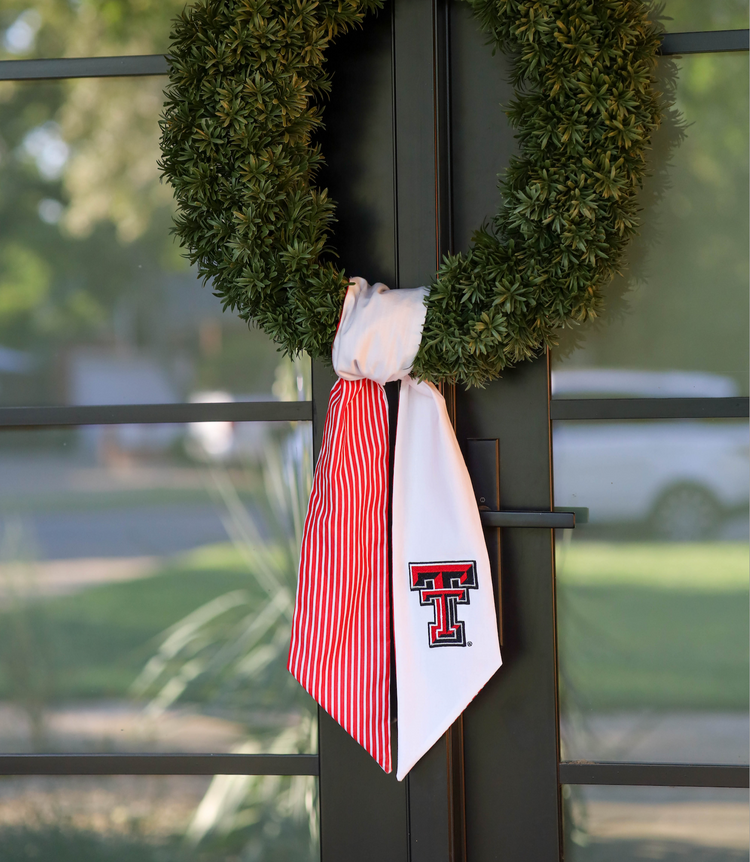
<point x="444" y="586"/>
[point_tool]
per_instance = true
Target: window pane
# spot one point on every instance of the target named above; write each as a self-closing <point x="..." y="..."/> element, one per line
<point x="625" y="824"/>
<point x="97" y="305"/>
<point x="653" y="591"/>
<point x="687" y="315"/>
<point x="682" y="16"/>
<point x="182" y="818"/>
<point x="60" y="28"/>
<point x="147" y="580"/>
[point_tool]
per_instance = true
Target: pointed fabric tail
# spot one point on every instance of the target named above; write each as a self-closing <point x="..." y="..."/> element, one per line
<point x="340" y="647"/>
<point x="444" y="621"/>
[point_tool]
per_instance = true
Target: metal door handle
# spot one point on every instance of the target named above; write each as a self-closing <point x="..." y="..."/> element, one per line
<point x="557" y="520"/>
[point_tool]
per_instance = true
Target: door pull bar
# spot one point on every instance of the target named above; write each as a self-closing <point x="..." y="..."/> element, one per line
<point x="563" y="519"/>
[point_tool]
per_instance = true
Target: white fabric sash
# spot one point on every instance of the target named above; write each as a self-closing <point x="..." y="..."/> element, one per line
<point x="445" y="627"/>
<point x="444" y="621"/>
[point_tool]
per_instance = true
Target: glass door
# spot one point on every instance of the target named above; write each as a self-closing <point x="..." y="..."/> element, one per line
<point x="650" y="436"/>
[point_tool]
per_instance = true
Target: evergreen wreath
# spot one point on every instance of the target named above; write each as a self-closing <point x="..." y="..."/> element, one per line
<point x="247" y="82"/>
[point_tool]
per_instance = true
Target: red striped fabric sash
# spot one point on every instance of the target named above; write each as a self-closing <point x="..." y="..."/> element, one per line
<point x="340" y="647"/>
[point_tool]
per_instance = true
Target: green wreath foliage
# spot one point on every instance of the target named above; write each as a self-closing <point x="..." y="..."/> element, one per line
<point x="245" y="98"/>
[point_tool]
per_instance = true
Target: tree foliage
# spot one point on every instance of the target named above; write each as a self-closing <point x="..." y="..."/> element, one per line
<point x="87" y="261"/>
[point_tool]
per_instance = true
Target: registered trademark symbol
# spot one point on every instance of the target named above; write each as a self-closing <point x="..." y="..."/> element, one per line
<point x="469" y="644"/>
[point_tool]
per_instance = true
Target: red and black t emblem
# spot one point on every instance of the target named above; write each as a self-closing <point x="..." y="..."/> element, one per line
<point x="444" y="586"/>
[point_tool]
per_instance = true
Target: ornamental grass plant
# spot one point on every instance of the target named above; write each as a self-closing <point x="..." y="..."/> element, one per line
<point x="229" y="656"/>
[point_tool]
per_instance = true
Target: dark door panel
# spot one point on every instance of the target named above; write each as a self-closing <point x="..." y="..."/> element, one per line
<point x="363" y="812"/>
<point x="358" y="147"/>
<point x="415" y="137"/>
<point x="510" y="730"/>
<point x="482" y="140"/>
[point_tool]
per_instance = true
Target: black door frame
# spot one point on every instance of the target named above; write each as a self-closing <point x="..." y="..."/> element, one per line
<point x="511" y="779"/>
<point x="442" y="811"/>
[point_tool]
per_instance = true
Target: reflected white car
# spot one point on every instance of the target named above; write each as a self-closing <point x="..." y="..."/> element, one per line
<point x="226" y="441"/>
<point x="681" y="478"/>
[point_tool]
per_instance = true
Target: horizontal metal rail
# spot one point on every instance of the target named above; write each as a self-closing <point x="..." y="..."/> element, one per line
<point x="705" y="42"/>
<point x="550" y="520"/>
<point x="654" y="774"/>
<point x="159" y="764"/>
<point x="140" y="65"/>
<point x="156" y="414"/>
<point x="135" y="66"/>
<point x="300" y="411"/>
<point x="649" y="408"/>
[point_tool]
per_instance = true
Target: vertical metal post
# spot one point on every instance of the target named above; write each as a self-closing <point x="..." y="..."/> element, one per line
<point x="363" y="811"/>
<point x="424" y="227"/>
<point x="441" y="53"/>
<point x="511" y="747"/>
<point x="483" y="463"/>
<point x="511" y="742"/>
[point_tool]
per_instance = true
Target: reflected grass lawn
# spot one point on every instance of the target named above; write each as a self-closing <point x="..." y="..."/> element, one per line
<point x="94" y="643"/>
<point x="654" y="625"/>
<point x="702" y="566"/>
<point x="51" y="842"/>
<point x="640" y="625"/>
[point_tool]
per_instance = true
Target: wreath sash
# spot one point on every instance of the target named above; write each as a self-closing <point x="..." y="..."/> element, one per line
<point x="444" y="625"/>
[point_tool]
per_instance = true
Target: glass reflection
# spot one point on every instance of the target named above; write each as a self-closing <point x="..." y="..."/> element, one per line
<point x="682" y="307"/>
<point x="86" y="28"/>
<point x="158" y="819"/>
<point x="625" y="824"/>
<point x="653" y="591"/>
<point x="147" y="578"/>
<point x="680" y="16"/>
<point x="59" y="28"/>
<point x="97" y="304"/>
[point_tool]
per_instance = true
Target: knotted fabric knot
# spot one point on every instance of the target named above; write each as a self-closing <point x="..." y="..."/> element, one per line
<point x="379" y="332"/>
<point x="444" y="624"/>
